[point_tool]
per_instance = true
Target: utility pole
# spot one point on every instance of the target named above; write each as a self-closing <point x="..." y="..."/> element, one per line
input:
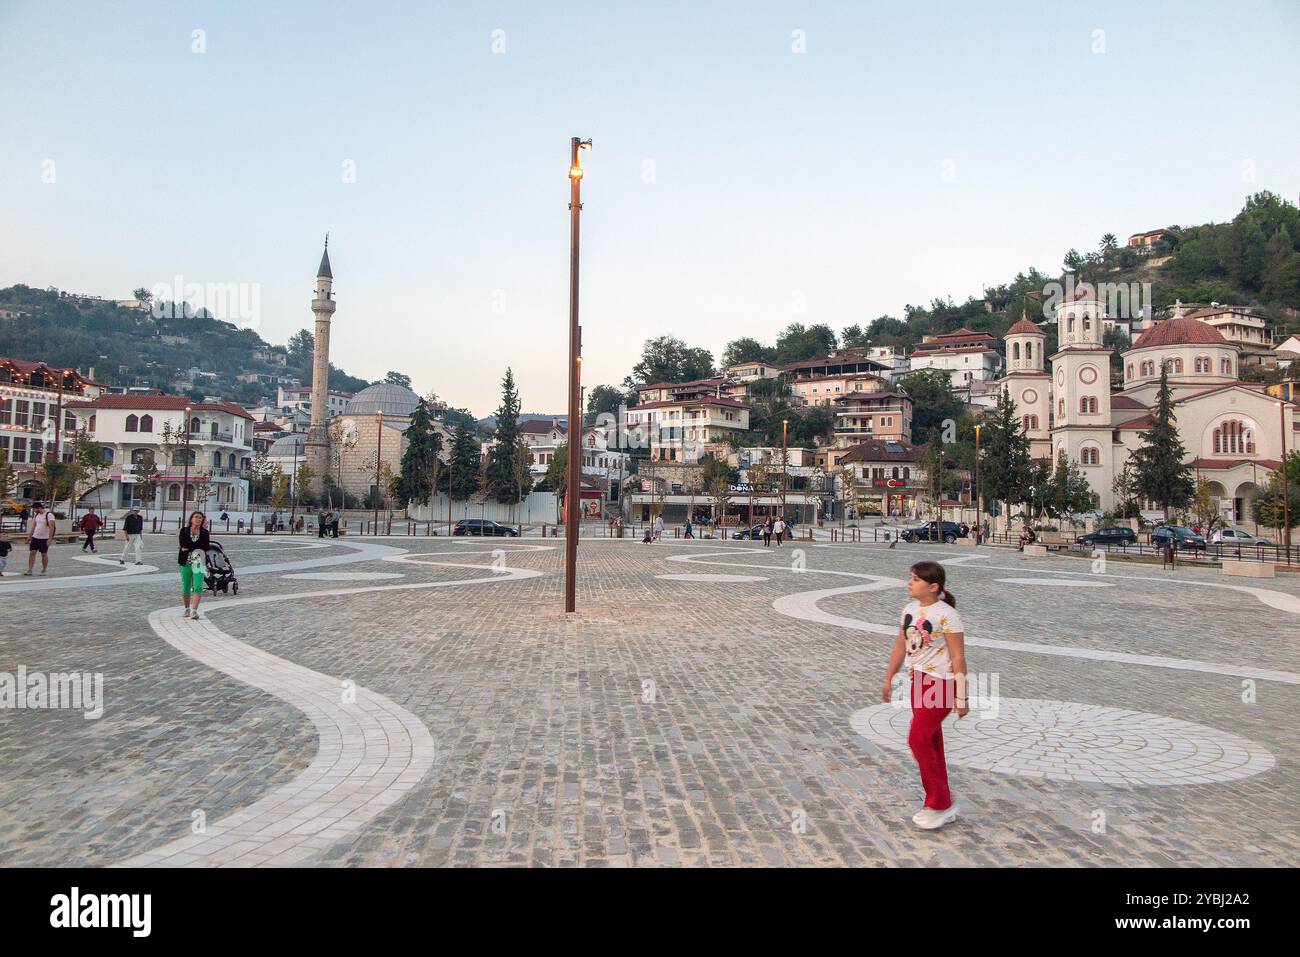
<point x="573" y="507"/>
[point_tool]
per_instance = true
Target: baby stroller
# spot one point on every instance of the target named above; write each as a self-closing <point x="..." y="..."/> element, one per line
<point x="221" y="574"/>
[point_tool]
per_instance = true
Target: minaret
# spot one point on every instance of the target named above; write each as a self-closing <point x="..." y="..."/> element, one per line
<point x="318" y="441"/>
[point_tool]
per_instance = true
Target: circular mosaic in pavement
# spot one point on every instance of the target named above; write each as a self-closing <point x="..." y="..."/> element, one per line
<point x="1058" y="582"/>
<point x="711" y="578"/>
<point x="1067" y="741"/>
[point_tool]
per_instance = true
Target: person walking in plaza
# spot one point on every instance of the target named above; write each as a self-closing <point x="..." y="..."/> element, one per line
<point x="133" y="528"/>
<point x="931" y="643"/>
<point x="5" y="549"/>
<point x="192" y="559"/>
<point x="321" y="522"/>
<point x="779" y="529"/>
<point x="41" y="537"/>
<point x="688" y="529"/>
<point x="767" y="532"/>
<point x="659" y="527"/>
<point x="90" y="524"/>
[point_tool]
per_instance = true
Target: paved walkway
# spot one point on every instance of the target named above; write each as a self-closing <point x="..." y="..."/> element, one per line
<point x="424" y="701"/>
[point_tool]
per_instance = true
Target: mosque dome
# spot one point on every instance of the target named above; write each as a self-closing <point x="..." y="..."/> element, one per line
<point x="392" y="400"/>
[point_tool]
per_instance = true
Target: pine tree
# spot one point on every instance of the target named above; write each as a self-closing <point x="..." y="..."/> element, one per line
<point x="463" y="471"/>
<point x="1162" y="475"/>
<point x="424" y="445"/>
<point x="1004" y="454"/>
<point x="503" y="479"/>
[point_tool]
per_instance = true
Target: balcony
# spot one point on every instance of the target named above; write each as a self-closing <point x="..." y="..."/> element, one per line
<point x="223" y="438"/>
<point x="855" y="430"/>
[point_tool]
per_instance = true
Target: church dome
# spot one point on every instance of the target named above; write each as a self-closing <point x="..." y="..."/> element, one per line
<point x="1181" y="332"/>
<point x="1025" y="328"/>
<point x="392" y="400"/>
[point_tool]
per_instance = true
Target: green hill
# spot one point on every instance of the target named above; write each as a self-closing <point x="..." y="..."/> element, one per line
<point x="131" y="347"/>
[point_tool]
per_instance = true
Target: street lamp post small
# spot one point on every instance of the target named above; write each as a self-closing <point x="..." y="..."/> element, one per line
<point x="977" y="483"/>
<point x="379" y="459"/>
<point x="1286" y="489"/>
<point x="293" y="486"/>
<point x="185" y="480"/>
<point x="785" y="465"/>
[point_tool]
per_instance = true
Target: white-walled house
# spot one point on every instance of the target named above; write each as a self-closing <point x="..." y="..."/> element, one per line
<point x="131" y="428"/>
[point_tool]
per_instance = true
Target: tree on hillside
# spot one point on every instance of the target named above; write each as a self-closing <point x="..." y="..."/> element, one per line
<point x="933" y="402"/>
<point x="747" y="349"/>
<point x="398" y="378"/>
<point x="669" y="359"/>
<point x="1162" y="477"/>
<point x="854" y="337"/>
<point x="1108" y="243"/>
<point x="604" y="399"/>
<point x="143" y="294"/>
<point x="302" y="346"/>
<point x="502" y="467"/>
<point x="797" y="342"/>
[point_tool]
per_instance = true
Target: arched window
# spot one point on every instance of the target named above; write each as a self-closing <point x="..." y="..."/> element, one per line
<point x="1029" y="351"/>
<point x="907" y="474"/>
<point x="1087" y="323"/>
<point x="92" y="423"/>
<point x="1060" y="409"/>
<point x="194" y="424"/>
<point x="106" y="454"/>
<point x="132" y="423"/>
<point x="1234" y="438"/>
<point x="216" y="459"/>
<point x="146" y="423"/>
<point x="894" y="474"/>
<point x="1090" y="455"/>
<point x="1088" y="404"/>
<point x="1203" y="364"/>
<point x="1178" y="365"/>
<point x="1225" y="366"/>
<point x="1015" y="351"/>
<point x="173" y="492"/>
<point x="142" y="456"/>
<point x="1129" y="371"/>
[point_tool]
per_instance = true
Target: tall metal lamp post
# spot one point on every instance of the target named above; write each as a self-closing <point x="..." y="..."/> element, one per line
<point x="573" y="480"/>
<point x="977" y="483"/>
<point x="785" y="465"/>
<point x="1286" y="489"/>
<point x="185" y="480"/>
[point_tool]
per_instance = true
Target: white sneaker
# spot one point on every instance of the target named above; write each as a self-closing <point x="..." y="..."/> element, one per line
<point x="919" y="816"/>
<point x="186" y="613"/>
<point x="195" y="615"/>
<point x="930" y="819"/>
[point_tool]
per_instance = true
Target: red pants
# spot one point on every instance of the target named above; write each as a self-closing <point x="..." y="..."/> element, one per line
<point x="932" y="699"/>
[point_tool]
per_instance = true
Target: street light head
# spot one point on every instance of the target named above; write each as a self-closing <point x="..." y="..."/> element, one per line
<point x="575" y="172"/>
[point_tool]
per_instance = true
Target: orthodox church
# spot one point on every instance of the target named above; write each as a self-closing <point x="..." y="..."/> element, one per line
<point x="1233" y="431"/>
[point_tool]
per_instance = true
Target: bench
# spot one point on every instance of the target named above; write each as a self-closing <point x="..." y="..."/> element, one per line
<point x="1036" y="551"/>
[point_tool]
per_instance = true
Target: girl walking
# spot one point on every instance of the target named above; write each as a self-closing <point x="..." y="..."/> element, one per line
<point x="192" y="559"/>
<point x="931" y="643"/>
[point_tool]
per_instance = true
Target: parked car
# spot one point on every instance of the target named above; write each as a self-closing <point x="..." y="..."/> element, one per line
<point x="482" y="526"/>
<point x="754" y="531"/>
<point x="1182" y="536"/>
<point x="934" y="532"/>
<point x="1109" y="536"/>
<point x="1235" y="536"/>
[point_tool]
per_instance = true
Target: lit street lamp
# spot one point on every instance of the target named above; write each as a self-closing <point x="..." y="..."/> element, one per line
<point x="573" y="482"/>
<point x="977" y="483"/>
<point x="785" y="464"/>
<point x="185" y="481"/>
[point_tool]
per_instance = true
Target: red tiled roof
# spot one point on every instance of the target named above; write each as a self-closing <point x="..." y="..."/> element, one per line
<point x="962" y="333"/>
<point x="1125" y="402"/>
<point x="1179" y="332"/>
<point x="175" y="403"/>
<point x="948" y="350"/>
<point x="874" y="450"/>
<point x="542" y="426"/>
<point x="715" y="380"/>
<point x="1026" y="328"/>
<point x="842" y="359"/>
<point x="27" y="367"/>
<point x="864" y="396"/>
<point x="710" y="400"/>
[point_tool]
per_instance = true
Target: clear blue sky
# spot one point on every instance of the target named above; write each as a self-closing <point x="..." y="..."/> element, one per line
<point x="779" y="178"/>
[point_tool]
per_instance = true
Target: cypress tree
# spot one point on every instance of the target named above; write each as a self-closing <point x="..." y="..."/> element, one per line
<point x="503" y="474"/>
<point x="462" y="473"/>
<point x="1162" y="475"/>
<point x="1005" y="464"/>
<point x="423" y="446"/>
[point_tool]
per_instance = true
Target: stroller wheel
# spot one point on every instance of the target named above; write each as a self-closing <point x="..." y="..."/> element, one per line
<point x="235" y="588"/>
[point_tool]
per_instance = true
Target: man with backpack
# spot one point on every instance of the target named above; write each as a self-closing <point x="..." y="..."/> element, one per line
<point x="42" y="534"/>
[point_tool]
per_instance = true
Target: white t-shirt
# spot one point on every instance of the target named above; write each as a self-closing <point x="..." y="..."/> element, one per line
<point x="925" y="636"/>
<point x="41" y="525"/>
<point x="779" y="527"/>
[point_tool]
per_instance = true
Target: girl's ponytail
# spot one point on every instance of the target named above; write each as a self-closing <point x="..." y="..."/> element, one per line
<point x="933" y="573"/>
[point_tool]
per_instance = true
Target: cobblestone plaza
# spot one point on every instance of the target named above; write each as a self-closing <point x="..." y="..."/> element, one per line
<point x="425" y="701"/>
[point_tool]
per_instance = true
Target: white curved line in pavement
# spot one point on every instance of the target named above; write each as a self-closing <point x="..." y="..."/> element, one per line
<point x="803" y="606"/>
<point x="371" y="750"/>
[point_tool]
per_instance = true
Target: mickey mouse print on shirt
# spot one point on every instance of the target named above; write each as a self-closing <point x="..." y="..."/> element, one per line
<point x="925" y="631"/>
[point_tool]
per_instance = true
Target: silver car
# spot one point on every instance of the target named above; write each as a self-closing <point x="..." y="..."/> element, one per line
<point x="1235" y="536"/>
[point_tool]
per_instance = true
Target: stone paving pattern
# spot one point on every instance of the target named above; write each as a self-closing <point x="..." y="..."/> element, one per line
<point x="548" y="754"/>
